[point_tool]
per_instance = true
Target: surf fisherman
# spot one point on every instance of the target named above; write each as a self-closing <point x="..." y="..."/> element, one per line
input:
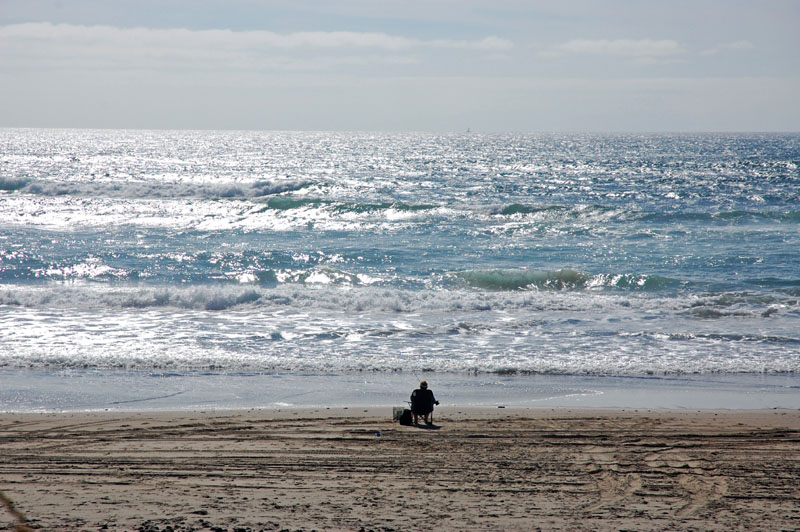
<point x="422" y="401"/>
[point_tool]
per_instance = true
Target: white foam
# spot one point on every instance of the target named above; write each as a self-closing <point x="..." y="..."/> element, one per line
<point x="329" y="328"/>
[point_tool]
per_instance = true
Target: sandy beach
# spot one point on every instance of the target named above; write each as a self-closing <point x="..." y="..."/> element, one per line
<point x="354" y="469"/>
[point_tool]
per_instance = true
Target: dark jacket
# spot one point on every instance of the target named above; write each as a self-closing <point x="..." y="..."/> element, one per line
<point x="422" y="401"/>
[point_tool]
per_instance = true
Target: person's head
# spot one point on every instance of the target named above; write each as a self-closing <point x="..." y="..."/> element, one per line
<point x="423" y="384"/>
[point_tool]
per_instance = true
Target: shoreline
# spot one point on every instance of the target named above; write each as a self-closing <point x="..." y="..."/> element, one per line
<point x="130" y="391"/>
<point x="348" y="468"/>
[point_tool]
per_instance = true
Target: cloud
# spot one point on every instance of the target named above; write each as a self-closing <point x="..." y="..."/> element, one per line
<point x="641" y="50"/>
<point x="731" y="46"/>
<point x="72" y="46"/>
<point x="488" y="44"/>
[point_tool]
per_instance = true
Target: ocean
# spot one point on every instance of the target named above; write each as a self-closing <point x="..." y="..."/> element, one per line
<point x="332" y="260"/>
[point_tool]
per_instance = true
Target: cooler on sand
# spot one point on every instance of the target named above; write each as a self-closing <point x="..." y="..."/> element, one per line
<point x="402" y="415"/>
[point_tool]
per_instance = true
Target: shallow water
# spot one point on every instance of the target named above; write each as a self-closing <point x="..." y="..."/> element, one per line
<point x="114" y="390"/>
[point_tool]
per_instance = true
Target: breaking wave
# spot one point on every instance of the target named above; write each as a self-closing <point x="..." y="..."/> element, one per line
<point x="619" y="214"/>
<point x="309" y="296"/>
<point x="563" y="280"/>
<point x="10" y="184"/>
<point x="133" y="189"/>
<point x="287" y="203"/>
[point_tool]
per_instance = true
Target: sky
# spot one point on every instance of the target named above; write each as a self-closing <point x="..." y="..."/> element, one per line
<point x="402" y="65"/>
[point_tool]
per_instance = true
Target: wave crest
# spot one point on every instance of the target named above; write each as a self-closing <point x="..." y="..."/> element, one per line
<point x="155" y="189"/>
<point x="565" y="279"/>
<point x="525" y="279"/>
<point x="11" y="184"/>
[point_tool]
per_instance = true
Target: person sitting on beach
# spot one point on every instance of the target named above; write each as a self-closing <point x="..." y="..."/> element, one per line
<point x="422" y="401"/>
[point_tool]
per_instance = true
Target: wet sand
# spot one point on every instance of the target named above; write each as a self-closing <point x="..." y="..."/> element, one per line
<point x="354" y="469"/>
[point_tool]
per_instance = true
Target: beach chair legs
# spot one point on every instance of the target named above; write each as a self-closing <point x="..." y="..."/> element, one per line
<point x="427" y="418"/>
